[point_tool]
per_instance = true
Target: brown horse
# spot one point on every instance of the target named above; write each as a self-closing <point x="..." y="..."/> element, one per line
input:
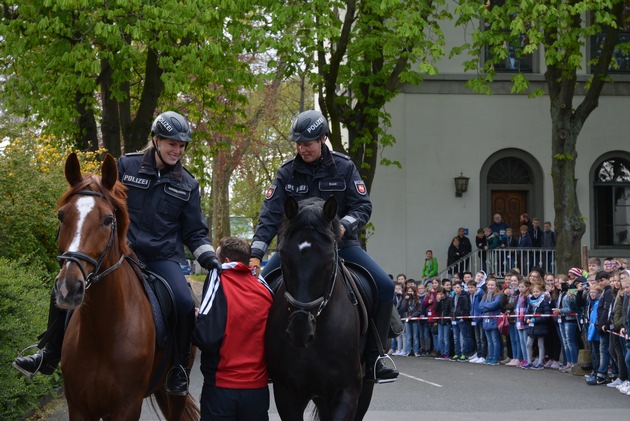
<point x="109" y="350"/>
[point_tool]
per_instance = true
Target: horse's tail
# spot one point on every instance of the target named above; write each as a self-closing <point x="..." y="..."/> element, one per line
<point x="169" y="405"/>
<point x="191" y="409"/>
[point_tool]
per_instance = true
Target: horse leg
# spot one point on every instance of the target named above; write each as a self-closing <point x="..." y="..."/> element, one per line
<point x="343" y="407"/>
<point x="127" y="411"/>
<point x="364" y="400"/>
<point x="76" y="413"/>
<point x="289" y="404"/>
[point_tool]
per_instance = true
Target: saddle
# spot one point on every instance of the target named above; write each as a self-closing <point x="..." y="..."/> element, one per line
<point x="162" y="302"/>
<point x="359" y="284"/>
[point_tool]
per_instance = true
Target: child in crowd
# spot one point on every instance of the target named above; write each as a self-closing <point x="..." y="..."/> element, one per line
<point x="461" y="307"/>
<point x="595" y="292"/>
<point x="431" y="313"/>
<point x="424" y="328"/>
<point x="625" y="315"/>
<point x="565" y="308"/>
<point x="520" y="309"/>
<point x="508" y="304"/>
<point x="490" y="307"/>
<point x="594" y="265"/>
<point x="397" y="343"/>
<point x="411" y="308"/>
<point x="476" y="294"/>
<point x="617" y="343"/>
<point x="537" y="326"/>
<point x="444" y="309"/>
<point x="447" y="286"/>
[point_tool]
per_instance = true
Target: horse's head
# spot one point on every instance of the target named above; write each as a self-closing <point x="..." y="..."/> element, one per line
<point x="93" y="226"/>
<point x="308" y="253"/>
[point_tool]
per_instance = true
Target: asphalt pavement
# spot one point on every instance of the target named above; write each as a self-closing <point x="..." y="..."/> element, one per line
<point x="445" y="390"/>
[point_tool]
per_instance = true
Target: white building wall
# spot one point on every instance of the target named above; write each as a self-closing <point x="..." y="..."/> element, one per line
<point x="440" y="135"/>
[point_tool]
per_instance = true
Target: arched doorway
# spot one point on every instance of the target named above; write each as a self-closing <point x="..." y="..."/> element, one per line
<point x="514" y="185"/>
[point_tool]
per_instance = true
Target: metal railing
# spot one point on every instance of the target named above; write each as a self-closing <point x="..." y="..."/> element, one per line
<point x="500" y="260"/>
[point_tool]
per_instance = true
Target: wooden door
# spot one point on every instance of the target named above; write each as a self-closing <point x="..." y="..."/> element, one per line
<point x="510" y="204"/>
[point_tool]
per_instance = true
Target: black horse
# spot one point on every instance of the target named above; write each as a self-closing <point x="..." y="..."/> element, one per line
<point x="313" y="338"/>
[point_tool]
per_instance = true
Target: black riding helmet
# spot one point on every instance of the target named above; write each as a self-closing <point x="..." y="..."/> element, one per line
<point x="171" y="125"/>
<point x="308" y="125"/>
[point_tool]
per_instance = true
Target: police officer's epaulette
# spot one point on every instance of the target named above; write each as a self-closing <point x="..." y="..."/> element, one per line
<point x="341" y="155"/>
<point x="287" y="162"/>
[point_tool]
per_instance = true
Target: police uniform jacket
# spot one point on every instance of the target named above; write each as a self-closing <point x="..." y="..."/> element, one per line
<point x="164" y="209"/>
<point x="334" y="174"/>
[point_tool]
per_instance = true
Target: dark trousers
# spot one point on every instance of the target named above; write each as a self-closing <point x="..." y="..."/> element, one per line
<point x="221" y="404"/>
<point x="172" y="273"/>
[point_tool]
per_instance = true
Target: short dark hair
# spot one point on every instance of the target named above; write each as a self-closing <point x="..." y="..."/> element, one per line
<point x="234" y="249"/>
<point x="602" y="274"/>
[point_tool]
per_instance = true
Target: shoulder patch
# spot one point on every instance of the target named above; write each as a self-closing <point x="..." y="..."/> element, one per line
<point x="346" y="157"/>
<point x="270" y="191"/>
<point x="360" y="186"/>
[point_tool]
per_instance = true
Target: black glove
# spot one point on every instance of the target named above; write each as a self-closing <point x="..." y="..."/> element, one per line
<point x="209" y="261"/>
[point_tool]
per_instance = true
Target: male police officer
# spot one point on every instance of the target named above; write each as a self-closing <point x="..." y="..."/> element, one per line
<point x="317" y="172"/>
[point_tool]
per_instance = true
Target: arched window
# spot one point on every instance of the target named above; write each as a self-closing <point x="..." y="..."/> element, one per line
<point x="611" y="188"/>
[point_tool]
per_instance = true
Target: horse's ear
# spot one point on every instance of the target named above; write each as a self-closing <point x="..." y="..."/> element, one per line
<point x="109" y="172"/>
<point x="330" y="208"/>
<point x="291" y="207"/>
<point x="73" y="169"/>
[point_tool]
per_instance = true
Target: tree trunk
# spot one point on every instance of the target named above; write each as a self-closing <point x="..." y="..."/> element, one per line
<point x="569" y="223"/>
<point x="110" y="122"/>
<point x="87" y="139"/>
<point x="221" y="175"/>
<point x="136" y="134"/>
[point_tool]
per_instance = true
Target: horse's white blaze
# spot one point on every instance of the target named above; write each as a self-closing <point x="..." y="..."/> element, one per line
<point x="304" y="245"/>
<point x="84" y="206"/>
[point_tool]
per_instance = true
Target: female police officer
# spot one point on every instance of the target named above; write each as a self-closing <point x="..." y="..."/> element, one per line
<point x="316" y="171"/>
<point x="165" y="213"/>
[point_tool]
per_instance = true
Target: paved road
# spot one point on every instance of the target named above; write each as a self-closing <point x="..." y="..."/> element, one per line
<point x="463" y="391"/>
<point x="447" y="391"/>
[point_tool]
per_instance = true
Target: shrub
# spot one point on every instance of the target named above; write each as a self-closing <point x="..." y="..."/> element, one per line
<point x="24" y="298"/>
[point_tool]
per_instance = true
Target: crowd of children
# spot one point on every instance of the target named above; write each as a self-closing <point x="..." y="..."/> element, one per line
<point x="531" y="322"/>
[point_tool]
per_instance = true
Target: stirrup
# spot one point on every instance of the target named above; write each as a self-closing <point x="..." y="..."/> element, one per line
<point x="27" y="374"/>
<point x="383" y="381"/>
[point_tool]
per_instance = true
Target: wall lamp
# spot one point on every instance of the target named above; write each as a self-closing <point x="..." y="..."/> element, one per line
<point x="461" y="185"/>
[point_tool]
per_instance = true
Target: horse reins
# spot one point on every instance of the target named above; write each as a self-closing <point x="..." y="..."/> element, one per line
<point x="78" y="257"/>
<point x="320" y="302"/>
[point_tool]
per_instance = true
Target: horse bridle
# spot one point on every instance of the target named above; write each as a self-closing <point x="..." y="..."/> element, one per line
<point x="319" y="303"/>
<point x="78" y="257"/>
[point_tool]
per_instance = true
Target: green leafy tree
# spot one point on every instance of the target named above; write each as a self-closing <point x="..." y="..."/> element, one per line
<point x="31" y="182"/>
<point x="90" y="70"/>
<point x="361" y="51"/>
<point x="560" y="30"/>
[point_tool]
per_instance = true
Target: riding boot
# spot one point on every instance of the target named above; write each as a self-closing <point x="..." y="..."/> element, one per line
<point x="177" y="379"/>
<point x="47" y="359"/>
<point x="375" y="369"/>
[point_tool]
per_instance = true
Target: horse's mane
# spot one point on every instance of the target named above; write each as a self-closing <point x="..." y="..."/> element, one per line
<point x="310" y="216"/>
<point x="117" y="197"/>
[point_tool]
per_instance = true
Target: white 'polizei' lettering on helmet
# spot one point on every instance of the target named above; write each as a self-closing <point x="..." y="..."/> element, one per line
<point x="315" y="125"/>
<point x="165" y="124"/>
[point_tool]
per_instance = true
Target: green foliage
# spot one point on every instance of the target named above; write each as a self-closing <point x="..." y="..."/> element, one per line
<point x="77" y="61"/>
<point x="24" y="298"/>
<point x="27" y="208"/>
<point x="31" y="182"/>
<point x="364" y="51"/>
<point x="560" y="29"/>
